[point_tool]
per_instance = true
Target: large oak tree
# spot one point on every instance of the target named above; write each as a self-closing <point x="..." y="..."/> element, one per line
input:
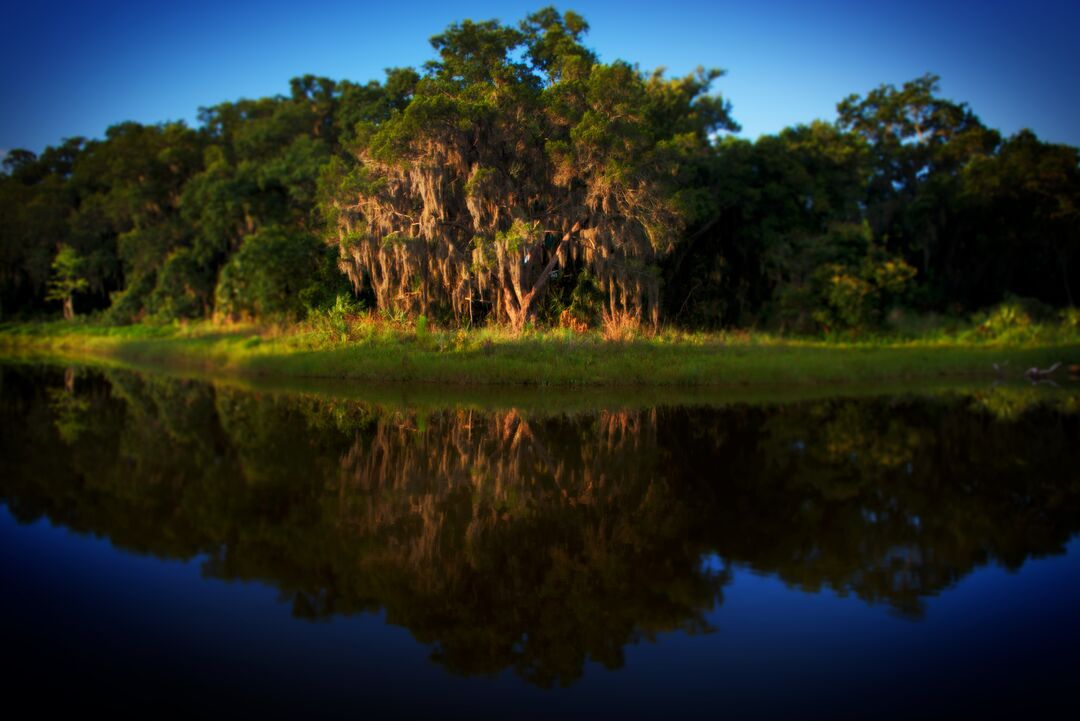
<point x="520" y="154"/>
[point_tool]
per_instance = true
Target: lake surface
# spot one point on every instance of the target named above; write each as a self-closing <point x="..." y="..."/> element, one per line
<point x="179" y="545"/>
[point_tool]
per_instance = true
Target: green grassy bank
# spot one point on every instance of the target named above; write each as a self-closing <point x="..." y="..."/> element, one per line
<point x="372" y="351"/>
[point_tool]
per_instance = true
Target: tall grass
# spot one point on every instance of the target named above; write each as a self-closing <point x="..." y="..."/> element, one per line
<point x="347" y="342"/>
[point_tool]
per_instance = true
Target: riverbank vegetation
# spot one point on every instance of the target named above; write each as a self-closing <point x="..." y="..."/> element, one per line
<point x="519" y="185"/>
<point x="371" y="348"/>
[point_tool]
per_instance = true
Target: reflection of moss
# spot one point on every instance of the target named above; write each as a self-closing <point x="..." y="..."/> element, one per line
<point x="534" y="541"/>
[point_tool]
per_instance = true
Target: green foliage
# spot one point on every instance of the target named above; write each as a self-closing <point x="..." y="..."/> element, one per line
<point x="849" y="297"/>
<point x="1025" y="206"/>
<point x="520" y="234"/>
<point x="858" y="298"/>
<point x="435" y="185"/>
<point x="67" y="279"/>
<point x="518" y="143"/>
<point x="839" y="281"/>
<point x="1070" y="318"/>
<point x="184" y="289"/>
<point x="129" y="304"/>
<point x="334" y="322"/>
<point x="67" y="274"/>
<point x="270" y="276"/>
<point x="1019" y="320"/>
<point x="1005" y="318"/>
<point x="586" y="300"/>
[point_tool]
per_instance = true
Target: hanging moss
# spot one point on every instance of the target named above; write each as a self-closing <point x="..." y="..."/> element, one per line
<point x="499" y="173"/>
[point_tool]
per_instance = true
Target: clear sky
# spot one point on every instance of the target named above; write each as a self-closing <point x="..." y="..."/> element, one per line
<point x="74" y="68"/>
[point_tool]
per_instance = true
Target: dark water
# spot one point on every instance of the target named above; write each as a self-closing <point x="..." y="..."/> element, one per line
<point x="175" y="546"/>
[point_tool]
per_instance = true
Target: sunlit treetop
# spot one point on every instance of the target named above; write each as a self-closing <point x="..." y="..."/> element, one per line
<point x="519" y="154"/>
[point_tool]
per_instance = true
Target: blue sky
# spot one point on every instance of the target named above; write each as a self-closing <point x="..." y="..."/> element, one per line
<point x="76" y="68"/>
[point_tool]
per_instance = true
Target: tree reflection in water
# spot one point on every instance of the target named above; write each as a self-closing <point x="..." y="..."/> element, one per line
<point x="537" y="541"/>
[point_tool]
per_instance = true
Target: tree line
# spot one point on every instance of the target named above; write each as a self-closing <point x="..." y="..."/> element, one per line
<point x="518" y="179"/>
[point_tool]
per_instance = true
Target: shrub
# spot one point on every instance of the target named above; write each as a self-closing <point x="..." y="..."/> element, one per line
<point x="859" y="297"/>
<point x="183" y="288"/>
<point x="128" y="305"/>
<point x="1070" y="318"/>
<point x="274" y="274"/>
<point x="335" y="323"/>
<point x="1003" y="318"/>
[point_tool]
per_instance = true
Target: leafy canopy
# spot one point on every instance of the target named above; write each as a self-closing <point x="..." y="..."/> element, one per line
<point x="519" y="154"/>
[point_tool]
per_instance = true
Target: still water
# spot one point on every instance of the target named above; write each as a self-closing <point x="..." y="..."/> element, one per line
<point x="178" y="545"/>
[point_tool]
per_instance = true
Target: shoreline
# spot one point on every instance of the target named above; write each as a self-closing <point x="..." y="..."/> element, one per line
<point x="540" y="359"/>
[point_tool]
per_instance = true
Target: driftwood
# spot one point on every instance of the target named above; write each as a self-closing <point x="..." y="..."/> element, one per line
<point x="1038" y="374"/>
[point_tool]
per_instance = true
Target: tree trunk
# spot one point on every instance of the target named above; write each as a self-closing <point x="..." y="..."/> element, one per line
<point x="520" y="306"/>
<point x="69" y="308"/>
<point x="513" y="310"/>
